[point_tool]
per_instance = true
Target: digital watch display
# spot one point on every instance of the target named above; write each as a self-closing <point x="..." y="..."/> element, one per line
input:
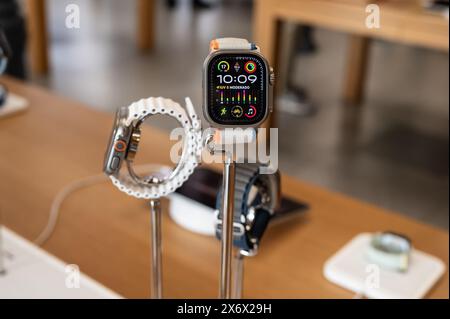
<point x="237" y="84"/>
<point x="237" y="89"/>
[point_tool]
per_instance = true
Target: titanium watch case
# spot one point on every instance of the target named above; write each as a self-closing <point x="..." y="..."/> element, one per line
<point x="270" y="79"/>
<point x="119" y="143"/>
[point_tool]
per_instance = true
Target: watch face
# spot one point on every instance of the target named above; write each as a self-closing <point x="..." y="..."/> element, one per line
<point x="237" y="89"/>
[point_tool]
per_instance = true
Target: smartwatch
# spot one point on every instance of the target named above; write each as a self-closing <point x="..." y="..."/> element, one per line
<point x="3" y="94"/>
<point x="390" y="250"/>
<point x="255" y="200"/>
<point x="237" y="84"/>
<point x="124" y="143"/>
<point x="5" y="52"/>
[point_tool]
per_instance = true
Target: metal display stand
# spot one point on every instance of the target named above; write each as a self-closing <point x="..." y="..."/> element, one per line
<point x="5" y="54"/>
<point x="232" y="259"/>
<point x="229" y="175"/>
<point x="238" y="275"/>
<point x="2" y="253"/>
<point x="230" y="286"/>
<point x="238" y="278"/>
<point x="156" y="242"/>
<point x="156" y="239"/>
<point x="227" y="206"/>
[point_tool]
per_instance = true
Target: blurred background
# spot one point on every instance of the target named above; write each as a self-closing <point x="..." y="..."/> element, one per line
<point x="389" y="148"/>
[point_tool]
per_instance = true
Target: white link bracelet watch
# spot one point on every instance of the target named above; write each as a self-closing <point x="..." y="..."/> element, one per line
<point x="124" y="143"/>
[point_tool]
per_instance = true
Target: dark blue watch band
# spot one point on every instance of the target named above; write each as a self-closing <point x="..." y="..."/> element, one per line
<point x="251" y="215"/>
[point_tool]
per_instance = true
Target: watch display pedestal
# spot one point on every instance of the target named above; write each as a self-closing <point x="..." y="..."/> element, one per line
<point x="156" y="252"/>
<point x="32" y="273"/>
<point x="193" y="205"/>
<point x="13" y="104"/>
<point x="349" y="268"/>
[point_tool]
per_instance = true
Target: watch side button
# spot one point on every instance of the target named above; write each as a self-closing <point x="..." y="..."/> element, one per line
<point x="115" y="163"/>
<point x="120" y="146"/>
<point x="272" y="77"/>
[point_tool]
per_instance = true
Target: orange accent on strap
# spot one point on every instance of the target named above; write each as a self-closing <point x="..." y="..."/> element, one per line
<point x="217" y="137"/>
<point x="214" y="45"/>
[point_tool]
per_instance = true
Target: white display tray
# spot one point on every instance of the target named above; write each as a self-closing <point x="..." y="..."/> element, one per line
<point x="192" y="215"/>
<point x="13" y="104"/>
<point x="33" y="273"/>
<point x="350" y="269"/>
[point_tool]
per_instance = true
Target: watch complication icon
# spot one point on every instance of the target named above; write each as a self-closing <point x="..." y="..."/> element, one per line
<point x="237" y="67"/>
<point x="223" y="111"/>
<point x="73" y="276"/>
<point x="251" y="112"/>
<point x="250" y="67"/>
<point x="237" y="111"/>
<point x="223" y="66"/>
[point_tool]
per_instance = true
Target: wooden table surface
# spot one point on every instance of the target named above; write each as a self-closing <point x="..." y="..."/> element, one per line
<point x="106" y="232"/>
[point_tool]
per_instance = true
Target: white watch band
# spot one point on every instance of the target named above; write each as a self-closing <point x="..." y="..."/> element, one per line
<point x="192" y="146"/>
<point x="232" y="44"/>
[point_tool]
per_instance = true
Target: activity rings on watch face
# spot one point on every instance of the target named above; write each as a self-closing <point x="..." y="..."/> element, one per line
<point x="125" y="140"/>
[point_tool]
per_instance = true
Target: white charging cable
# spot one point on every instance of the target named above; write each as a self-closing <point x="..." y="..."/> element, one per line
<point x="74" y="186"/>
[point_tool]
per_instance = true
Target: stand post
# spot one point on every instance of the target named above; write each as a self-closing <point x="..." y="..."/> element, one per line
<point x="238" y="285"/>
<point x="229" y="174"/>
<point x="2" y="248"/>
<point x="2" y="253"/>
<point x="155" y="210"/>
